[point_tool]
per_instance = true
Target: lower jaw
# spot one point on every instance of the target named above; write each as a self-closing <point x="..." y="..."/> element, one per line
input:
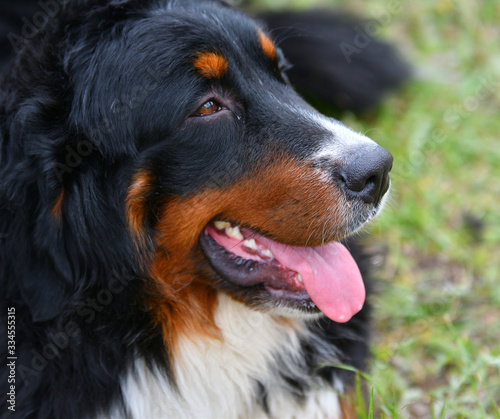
<point x="301" y="297"/>
<point x="293" y="304"/>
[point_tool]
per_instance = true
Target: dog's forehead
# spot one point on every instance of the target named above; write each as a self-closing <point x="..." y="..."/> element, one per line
<point x="220" y="35"/>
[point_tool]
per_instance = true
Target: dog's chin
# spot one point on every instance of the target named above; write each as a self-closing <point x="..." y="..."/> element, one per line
<point x="285" y="280"/>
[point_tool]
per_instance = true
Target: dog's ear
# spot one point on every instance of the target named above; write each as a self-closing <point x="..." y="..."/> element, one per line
<point x="35" y="248"/>
<point x="335" y="62"/>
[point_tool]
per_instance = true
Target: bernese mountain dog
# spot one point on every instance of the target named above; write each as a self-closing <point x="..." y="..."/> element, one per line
<point x="174" y="221"/>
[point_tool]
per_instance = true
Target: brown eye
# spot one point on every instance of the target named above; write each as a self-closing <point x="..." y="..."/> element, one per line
<point x="208" y="108"/>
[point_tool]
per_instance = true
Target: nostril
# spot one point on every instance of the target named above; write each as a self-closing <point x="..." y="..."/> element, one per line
<point x="356" y="183"/>
<point x="372" y="180"/>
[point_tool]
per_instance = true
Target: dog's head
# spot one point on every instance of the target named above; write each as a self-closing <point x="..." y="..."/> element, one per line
<point x="176" y="125"/>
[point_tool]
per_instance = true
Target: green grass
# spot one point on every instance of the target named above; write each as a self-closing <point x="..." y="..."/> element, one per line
<point x="437" y="343"/>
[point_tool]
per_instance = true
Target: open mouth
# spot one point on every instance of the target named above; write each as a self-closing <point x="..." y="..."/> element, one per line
<point x="306" y="278"/>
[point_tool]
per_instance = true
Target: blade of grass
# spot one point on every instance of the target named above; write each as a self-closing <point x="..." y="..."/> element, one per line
<point x="370" y="407"/>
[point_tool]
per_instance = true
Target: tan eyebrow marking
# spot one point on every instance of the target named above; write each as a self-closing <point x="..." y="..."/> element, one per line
<point x="267" y="45"/>
<point x="210" y="64"/>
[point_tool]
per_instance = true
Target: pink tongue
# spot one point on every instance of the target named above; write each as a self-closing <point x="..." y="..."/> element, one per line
<point x="330" y="275"/>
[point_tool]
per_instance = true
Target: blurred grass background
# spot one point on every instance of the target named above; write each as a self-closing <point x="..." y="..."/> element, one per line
<point x="437" y="315"/>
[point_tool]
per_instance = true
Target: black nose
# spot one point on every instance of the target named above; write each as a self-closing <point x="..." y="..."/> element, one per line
<point x="366" y="175"/>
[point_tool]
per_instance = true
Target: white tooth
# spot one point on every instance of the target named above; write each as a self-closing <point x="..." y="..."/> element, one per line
<point x="299" y="277"/>
<point x="251" y="244"/>
<point x="221" y="225"/>
<point x="234" y="232"/>
<point x="267" y="253"/>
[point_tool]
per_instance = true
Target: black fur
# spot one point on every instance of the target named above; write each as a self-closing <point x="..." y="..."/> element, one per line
<point x="73" y="120"/>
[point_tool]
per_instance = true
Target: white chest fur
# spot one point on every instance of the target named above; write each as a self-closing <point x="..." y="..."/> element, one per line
<point x="218" y="379"/>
